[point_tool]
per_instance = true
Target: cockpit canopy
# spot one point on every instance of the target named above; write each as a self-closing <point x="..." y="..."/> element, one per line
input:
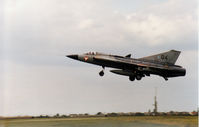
<point x="94" y="53"/>
<point x="90" y="53"/>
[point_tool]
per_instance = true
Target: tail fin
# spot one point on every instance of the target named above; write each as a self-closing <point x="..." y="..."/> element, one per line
<point x="169" y="57"/>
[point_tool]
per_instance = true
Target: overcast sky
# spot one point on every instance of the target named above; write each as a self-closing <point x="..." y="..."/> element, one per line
<point x="36" y="77"/>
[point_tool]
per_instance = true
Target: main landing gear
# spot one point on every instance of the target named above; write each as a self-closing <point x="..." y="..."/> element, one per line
<point x="138" y="77"/>
<point x="101" y="73"/>
<point x="131" y="78"/>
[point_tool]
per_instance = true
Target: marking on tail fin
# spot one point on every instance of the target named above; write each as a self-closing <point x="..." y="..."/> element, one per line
<point x="169" y="57"/>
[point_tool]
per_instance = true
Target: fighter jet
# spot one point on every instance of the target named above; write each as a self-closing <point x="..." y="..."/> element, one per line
<point x="162" y="64"/>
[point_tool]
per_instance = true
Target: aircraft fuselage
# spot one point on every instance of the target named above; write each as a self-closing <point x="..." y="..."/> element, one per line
<point x="134" y="68"/>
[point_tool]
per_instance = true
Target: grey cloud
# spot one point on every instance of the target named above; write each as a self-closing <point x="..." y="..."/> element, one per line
<point x="60" y="28"/>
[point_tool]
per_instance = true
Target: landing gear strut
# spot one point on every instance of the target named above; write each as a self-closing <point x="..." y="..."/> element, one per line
<point x="165" y="78"/>
<point x="101" y="73"/>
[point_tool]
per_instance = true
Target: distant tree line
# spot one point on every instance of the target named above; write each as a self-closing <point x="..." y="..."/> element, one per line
<point x="113" y="114"/>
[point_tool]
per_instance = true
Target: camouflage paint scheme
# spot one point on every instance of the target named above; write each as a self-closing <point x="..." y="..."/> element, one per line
<point x="162" y="64"/>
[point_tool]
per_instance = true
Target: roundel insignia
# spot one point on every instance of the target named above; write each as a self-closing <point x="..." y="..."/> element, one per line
<point x="86" y="58"/>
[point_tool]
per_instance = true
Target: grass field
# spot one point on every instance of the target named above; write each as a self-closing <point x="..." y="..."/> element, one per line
<point x="134" y="121"/>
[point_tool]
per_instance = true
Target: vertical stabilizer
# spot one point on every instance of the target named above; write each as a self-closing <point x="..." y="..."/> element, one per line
<point x="169" y="57"/>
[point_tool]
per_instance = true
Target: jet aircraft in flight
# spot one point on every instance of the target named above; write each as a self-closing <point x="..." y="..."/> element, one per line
<point x="162" y="64"/>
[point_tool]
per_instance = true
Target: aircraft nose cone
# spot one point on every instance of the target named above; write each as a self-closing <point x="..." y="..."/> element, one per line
<point x="73" y="56"/>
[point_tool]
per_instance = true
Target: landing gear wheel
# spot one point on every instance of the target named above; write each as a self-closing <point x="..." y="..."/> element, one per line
<point x="138" y="77"/>
<point x="101" y="73"/>
<point x="132" y="78"/>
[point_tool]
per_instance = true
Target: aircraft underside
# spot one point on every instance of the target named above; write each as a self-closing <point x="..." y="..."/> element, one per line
<point x="139" y="73"/>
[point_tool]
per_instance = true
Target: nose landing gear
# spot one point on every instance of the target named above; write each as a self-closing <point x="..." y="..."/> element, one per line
<point x="101" y="73"/>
